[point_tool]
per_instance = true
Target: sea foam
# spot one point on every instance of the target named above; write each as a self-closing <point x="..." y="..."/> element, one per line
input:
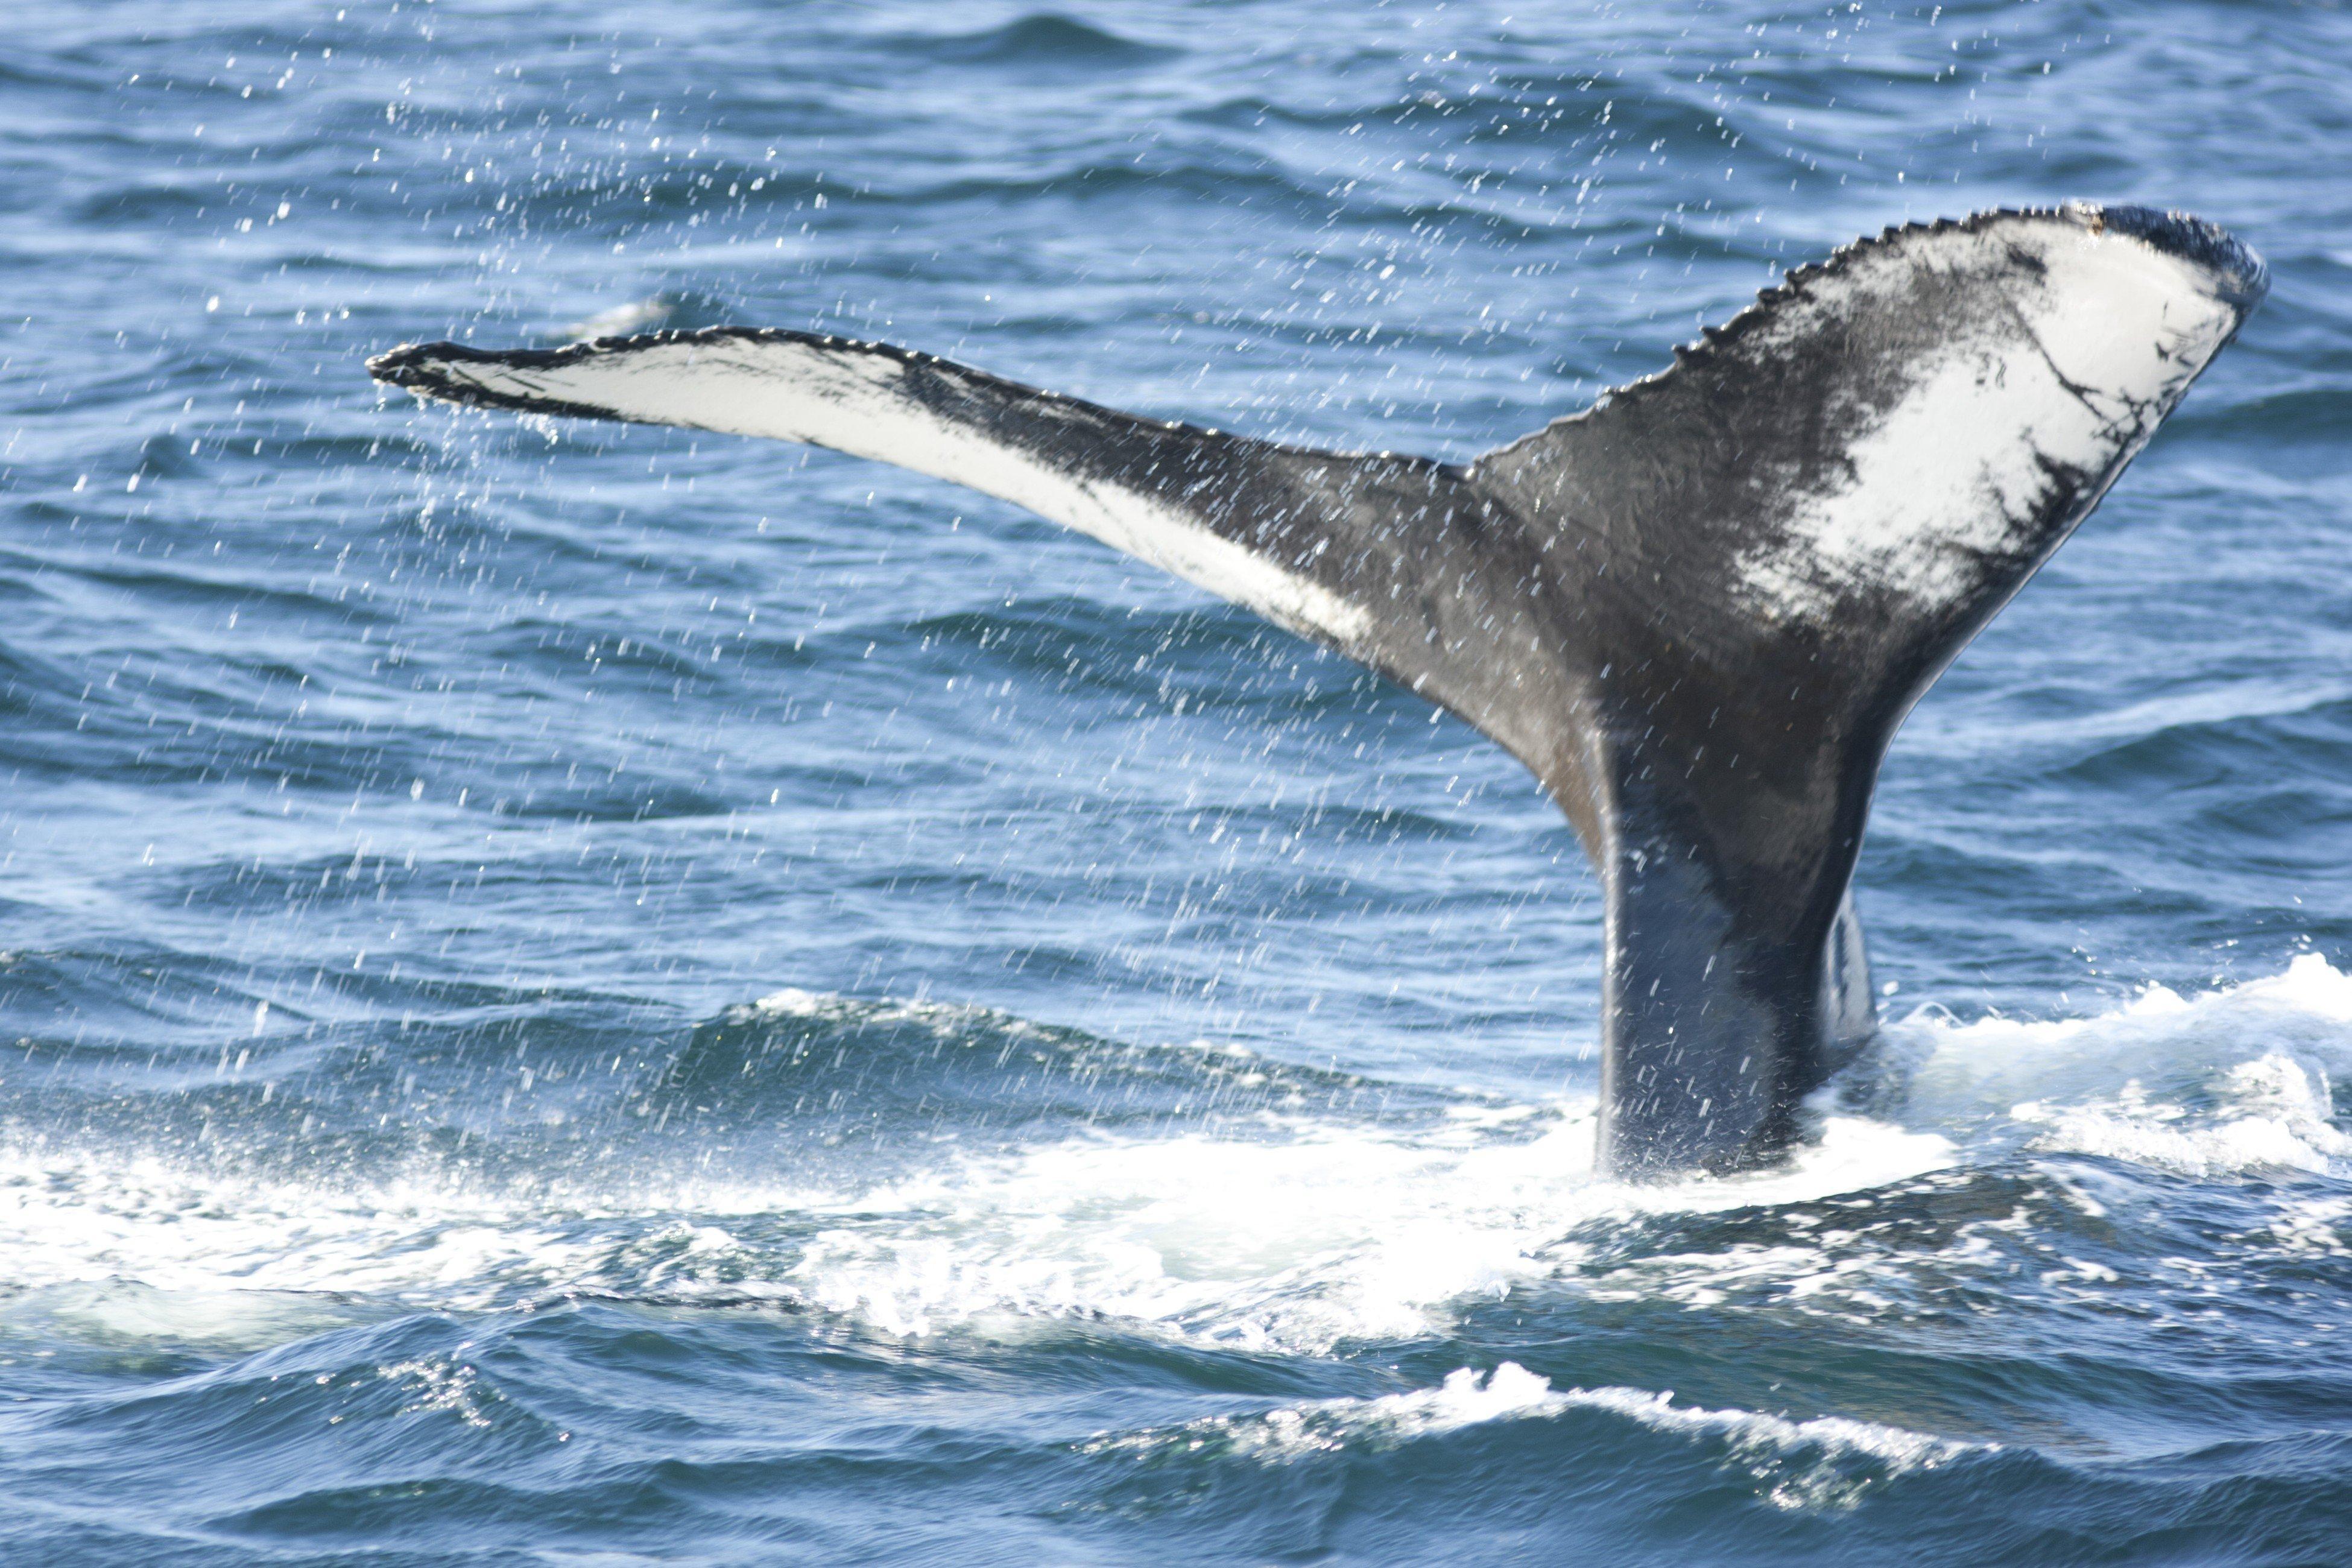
<point x="1824" y="1461"/>
<point x="1291" y="1231"/>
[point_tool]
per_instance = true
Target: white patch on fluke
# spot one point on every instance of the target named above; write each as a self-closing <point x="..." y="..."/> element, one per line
<point x="848" y="396"/>
<point x="2093" y="351"/>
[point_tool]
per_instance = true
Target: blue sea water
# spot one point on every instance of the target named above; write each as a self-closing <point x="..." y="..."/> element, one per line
<point x="572" y="994"/>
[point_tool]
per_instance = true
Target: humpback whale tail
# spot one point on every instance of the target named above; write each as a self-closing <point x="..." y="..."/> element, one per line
<point x="1697" y="610"/>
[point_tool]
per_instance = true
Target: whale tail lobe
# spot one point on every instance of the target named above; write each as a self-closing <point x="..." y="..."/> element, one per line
<point x="1697" y="610"/>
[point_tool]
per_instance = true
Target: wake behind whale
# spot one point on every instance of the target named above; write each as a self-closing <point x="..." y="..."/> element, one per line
<point x="1697" y="610"/>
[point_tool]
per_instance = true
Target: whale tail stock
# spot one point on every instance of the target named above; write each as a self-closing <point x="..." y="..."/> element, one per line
<point x="1697" y="610"/>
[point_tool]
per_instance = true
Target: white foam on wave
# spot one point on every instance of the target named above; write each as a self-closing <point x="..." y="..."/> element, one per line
<point x="1322" y="1234"/>
<point x="1826" y="1460"/>
<point x="81" y="1218"/>
<point x="1296" y="1232"/>
<point x="2233" y="1080"/>
<point x="620" y="320"/>
<point x="2312" y="1227"/>
<point x="1303" y="1234"/>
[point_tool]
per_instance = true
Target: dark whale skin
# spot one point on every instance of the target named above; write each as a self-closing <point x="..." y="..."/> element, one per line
<point x="1698" y="611"/>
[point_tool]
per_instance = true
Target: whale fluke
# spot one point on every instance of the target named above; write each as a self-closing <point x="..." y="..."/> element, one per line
<point x="1697" y="610"/>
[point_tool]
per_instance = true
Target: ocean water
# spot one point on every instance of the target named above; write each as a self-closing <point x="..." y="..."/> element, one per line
<point x="583" y="996"/>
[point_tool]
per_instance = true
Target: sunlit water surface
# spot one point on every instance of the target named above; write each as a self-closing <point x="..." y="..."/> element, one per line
<point x="591" y="995"/>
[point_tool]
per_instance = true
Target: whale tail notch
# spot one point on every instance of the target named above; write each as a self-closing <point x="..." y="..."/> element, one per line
<point x="1697" y="610"/>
